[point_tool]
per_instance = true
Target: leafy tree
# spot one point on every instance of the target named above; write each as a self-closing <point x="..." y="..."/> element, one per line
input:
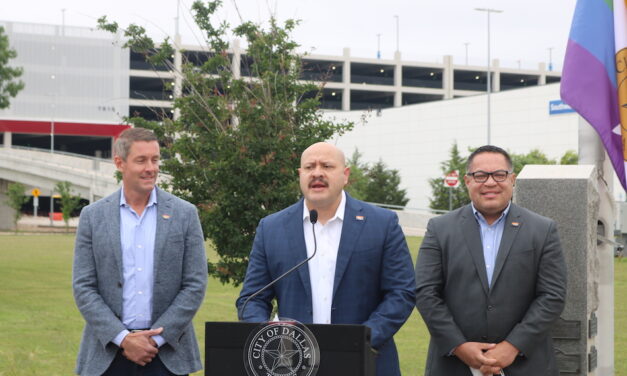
<point x="9" y="84"/>
<point x="440" y="194"/>
<point x="535" y="156"/>
<point x="374" y="183"/>
<point x="383" y="186"/>
<point x="17" y="198"/>
<point x="569" y="158"/>
<point x="357" y="181"/>
<point x="235" y="146"/>
<point x="69" y="202"/>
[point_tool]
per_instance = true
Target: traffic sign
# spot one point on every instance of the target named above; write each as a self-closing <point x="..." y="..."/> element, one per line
<point x="451" y="179"/>
<point x="35" y="192"/>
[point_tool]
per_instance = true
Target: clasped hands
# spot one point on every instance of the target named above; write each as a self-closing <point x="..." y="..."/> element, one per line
<point x="489" y="358"/>
<point x="139" y="347"/>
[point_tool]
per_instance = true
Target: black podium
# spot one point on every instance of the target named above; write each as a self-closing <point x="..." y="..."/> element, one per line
<point x="344" y="349"/>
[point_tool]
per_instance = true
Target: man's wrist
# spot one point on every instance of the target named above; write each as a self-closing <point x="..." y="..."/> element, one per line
<point x="159" y="340"/>
<point x="120" y="337"/>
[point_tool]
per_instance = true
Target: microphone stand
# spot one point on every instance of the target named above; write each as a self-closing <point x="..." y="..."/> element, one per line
<point x="313" y="218"/>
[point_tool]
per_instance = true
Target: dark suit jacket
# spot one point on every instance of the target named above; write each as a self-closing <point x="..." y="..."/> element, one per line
<point x="180" y="278"/>
<point x="526" y="295"/>
<point x="374" y="281"/>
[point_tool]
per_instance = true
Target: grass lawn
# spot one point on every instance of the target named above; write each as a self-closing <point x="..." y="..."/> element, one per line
<point x="40" y="326"/>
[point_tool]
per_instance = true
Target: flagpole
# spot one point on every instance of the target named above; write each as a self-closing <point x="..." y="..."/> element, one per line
<point x="592" y="151"/>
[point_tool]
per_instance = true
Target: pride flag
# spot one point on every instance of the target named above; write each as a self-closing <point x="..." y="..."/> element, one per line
<point x="594" y="78"/>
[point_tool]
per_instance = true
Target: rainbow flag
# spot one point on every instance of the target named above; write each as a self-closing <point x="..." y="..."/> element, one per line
<point x="594" y="78"/>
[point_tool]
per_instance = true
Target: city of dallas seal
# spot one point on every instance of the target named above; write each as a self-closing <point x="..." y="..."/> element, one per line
<point x="281" y="348"/>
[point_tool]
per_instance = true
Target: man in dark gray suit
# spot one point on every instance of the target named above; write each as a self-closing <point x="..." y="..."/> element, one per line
<point x="139" y="273"/>
<point x="491" y="280"/>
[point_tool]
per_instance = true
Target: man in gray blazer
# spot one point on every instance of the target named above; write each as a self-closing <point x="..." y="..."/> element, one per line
<point x="139" y="273"/>
<point x="491" y="280"/>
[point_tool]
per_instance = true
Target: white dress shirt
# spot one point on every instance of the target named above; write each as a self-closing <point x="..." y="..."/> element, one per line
<point x="322" y="266"/>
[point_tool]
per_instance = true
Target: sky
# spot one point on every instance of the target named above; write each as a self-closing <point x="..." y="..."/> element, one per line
<point x="523" y="35"/>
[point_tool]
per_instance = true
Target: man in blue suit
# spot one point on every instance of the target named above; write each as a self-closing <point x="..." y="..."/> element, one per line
<point x="362" y="272"/>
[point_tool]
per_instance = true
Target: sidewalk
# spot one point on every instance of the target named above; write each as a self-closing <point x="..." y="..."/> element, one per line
<point x="28" y="223"/>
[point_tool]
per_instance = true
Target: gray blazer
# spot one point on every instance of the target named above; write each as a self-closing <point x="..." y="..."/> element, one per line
<point x="525" y="297"/>
<point x="180" y="279"/>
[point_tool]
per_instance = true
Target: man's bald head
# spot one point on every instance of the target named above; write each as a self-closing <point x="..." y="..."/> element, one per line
<point x="326" y="148"/>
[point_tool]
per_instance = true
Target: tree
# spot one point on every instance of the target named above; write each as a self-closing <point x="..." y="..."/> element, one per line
<point x="439" y="193"/>
<point x="9" y="83"/>
<point x="17" y="198"/>
<point x="569" y="158"/>
<point x="535" y="156"/>
<point x="383" y="186"/>
<point x="234" y="149"/>
<point x="357" y="181"/>
<point x="69" y="203"/>
<point x="374" y="183"/>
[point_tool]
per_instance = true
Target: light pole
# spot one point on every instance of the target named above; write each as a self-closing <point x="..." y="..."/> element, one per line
<point x="466" y="46"/>
<point x="550" y="58"/>
<point x="378" y="46"/>
<point x="489" y="83"/>
<point x="398" y="49"/>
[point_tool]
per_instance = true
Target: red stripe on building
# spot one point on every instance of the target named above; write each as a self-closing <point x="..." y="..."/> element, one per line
<point x="64" y="128"/>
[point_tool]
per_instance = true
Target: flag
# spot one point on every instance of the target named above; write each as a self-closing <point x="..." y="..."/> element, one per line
<point x="594" y="78"/>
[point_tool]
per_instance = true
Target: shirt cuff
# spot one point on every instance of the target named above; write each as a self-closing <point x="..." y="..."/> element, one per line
<point x="160" y="340"/>
<point x="120" y="337"/>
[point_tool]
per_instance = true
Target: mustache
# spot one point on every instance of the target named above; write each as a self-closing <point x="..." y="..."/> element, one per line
<point x="318" y="180"/>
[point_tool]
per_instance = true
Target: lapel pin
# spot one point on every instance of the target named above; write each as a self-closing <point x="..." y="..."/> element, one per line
<point x="165" y="216"/>
<point x="515" y="224"/>
<point x="359" y="217"/>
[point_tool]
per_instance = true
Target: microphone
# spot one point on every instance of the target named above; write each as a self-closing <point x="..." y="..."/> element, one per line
<point x="313" y="218"/>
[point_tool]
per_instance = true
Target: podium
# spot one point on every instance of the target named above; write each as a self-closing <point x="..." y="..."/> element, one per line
<point x="344" y="349"/>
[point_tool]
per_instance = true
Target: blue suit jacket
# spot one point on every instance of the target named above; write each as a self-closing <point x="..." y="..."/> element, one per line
<point x="374" y="281"/>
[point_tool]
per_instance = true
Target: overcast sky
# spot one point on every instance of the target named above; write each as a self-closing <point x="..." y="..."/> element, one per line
<point x="429" y="29"/>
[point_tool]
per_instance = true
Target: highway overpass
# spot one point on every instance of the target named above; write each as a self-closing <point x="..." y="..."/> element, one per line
<point x="91" y="178"/>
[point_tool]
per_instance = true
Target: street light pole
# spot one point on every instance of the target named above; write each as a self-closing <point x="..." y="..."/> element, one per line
<point x="378" y="46"/>
<point x="466" y="46"/>
<point x="489" y="81"/>
<point x="398" y="48"/>
<point x="550" y="58"/>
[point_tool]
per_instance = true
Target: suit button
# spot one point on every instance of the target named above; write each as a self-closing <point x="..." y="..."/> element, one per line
<point x="490" y="308"/>
<point x="119" y="284"/>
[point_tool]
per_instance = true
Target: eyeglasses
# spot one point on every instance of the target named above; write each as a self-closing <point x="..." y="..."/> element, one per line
<point x="482" y="176"/>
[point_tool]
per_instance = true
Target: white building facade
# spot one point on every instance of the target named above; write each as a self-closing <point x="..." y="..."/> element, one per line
<point x="416" y="139"/>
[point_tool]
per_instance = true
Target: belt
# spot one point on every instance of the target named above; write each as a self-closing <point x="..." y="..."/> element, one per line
<point x="138" y="330"/>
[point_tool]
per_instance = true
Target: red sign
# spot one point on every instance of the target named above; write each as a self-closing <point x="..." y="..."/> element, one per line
<point x="452" y="179"/>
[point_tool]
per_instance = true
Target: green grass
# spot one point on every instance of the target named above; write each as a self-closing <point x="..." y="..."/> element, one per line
<point x="40" y="326"/>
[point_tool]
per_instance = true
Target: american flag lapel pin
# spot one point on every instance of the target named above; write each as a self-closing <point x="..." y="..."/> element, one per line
<point x="515" y="224"/>
<point x="359" y="217"/>
<point x="165" y="216"/>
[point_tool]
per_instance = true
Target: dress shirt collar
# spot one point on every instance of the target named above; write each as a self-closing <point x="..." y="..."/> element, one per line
<point x="480" y="218"/>
<point x="151" y="201"/>
<point x="339" y="213"/>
